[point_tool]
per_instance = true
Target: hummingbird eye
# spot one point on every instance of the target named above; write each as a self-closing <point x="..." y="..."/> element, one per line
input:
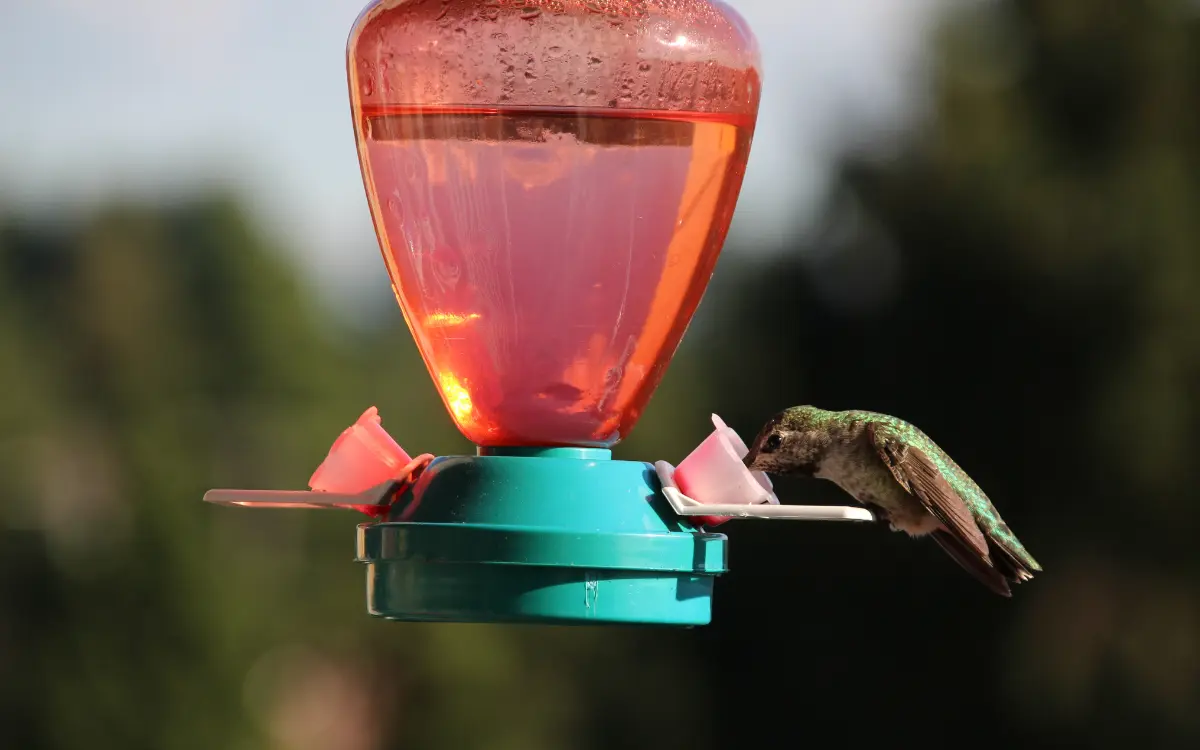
<point x="772" y="443"/>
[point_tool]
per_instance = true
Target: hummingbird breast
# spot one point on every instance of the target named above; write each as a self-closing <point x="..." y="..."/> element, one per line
<point x="857" y="469"/>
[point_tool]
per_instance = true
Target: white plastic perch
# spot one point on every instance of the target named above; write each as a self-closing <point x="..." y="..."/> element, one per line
<point x="348" y="489"/>
<point x="378" y="496"/>
<point x="686" y="506"/>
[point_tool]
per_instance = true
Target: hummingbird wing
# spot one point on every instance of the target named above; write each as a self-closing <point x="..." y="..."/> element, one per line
<point x="962" y="538"/>
<point x="920" y="477"/>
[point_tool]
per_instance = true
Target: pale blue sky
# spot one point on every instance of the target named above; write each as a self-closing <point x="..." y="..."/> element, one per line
<point x="150" y="96"/>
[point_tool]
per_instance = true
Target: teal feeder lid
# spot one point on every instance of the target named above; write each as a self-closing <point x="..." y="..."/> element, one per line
<point x="561" y="535"/>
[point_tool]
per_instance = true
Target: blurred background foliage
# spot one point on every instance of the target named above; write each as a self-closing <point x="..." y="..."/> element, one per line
<point x="1018" y="273"/>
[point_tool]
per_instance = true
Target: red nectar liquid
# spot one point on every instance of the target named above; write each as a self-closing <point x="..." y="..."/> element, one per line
<point x="548" y="261"/>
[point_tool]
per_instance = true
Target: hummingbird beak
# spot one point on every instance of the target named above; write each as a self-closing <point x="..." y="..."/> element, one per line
<point x="750" y="459"/>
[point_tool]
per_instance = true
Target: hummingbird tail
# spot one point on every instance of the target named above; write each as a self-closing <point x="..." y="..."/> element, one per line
<point x="979" y="567"/>
<point x="1011" y="565"/>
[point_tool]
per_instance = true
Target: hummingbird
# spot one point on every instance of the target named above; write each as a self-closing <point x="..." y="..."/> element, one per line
<point x="904" y="478"/>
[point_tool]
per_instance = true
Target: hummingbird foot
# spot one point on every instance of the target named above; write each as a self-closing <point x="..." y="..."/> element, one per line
<point x="881" y="515"/>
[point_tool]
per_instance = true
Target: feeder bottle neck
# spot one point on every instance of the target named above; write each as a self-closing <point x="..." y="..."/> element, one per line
<point x="585" y="454"/>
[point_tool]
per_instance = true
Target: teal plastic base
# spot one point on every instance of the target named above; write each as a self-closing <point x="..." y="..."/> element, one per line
<point x="562" y="535"/>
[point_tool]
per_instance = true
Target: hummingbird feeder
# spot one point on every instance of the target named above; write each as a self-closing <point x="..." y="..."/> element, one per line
<point x="551" y="182"/>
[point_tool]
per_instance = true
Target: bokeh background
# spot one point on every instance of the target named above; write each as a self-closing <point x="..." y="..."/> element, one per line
<point x="981" y="216"/>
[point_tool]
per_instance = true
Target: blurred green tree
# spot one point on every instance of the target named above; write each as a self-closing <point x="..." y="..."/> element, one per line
<point x="150" y="353"/>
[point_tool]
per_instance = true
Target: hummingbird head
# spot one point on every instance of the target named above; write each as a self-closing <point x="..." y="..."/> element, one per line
<point x="792" y="442"/>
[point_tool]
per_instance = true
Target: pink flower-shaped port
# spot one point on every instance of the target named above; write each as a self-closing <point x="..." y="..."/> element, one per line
<point x="713" y="473"/>
<point x="363" y="457"/>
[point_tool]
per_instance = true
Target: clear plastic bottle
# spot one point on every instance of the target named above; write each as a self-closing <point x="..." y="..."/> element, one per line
<point x="551" y="182"/>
